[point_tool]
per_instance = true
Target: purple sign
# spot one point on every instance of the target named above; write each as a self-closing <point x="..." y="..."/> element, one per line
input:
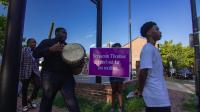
<point x="109" y="62"/>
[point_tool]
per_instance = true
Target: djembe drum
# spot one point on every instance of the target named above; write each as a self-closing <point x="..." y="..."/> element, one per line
<point x="74" y="54"/>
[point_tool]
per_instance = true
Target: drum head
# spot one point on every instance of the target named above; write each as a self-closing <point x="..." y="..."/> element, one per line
<point x="73" y="53"/>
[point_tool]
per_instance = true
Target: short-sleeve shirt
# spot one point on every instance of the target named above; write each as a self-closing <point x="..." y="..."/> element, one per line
<point x="155" y="91"/>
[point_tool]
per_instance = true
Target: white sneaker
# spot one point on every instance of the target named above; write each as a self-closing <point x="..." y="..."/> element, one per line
<point x="130" y="95"/>
<point x="25" y="109"/>
<point x="33" y="104"/>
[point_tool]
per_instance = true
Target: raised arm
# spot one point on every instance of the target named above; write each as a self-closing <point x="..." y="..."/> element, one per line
<point x="42" y="50"/>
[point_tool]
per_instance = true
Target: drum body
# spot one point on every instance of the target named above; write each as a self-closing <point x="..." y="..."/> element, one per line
<point x="74" y="54"/>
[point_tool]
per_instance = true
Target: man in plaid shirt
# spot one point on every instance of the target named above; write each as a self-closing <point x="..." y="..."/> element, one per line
<point x="29" y="70"/>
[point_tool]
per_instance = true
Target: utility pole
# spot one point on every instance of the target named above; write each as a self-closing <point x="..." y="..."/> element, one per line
<point x="51" y="30"/>
<point x="98" y="4"/>
<point x="196" y="50"/>
<point x="130" y="36"/>
<point x="11" y="57"/>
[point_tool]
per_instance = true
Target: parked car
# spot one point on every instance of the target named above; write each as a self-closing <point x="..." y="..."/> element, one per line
<point x="184" y="73"/>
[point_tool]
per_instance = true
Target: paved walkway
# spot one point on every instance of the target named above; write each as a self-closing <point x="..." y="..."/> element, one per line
<point x="179" y="93"/>
<point x="181" y="87"/>
<point x="55" y="109"/>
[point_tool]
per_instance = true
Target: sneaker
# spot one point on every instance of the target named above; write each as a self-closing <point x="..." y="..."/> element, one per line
<point x="130" y="95"/>
<point x="120" y="110"/>
<point x="111" y="110"/>
<point x="25" y="109"/>
<point x="33" y="104"/>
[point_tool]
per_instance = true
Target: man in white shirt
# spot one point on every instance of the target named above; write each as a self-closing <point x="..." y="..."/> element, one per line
<point x="152" y="84"/>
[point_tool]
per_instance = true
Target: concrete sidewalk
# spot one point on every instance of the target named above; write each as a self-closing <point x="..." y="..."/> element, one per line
<point x="179" y="93"/>
<point x="19" y="107"/>
<point x="182" y="87"/>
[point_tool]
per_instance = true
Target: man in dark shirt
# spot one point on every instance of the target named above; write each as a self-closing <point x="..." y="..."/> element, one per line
<point x="56" y="74"/>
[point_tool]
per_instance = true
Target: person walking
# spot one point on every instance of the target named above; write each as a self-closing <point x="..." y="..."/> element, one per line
<point x="29" y="71"/>
<point x="56" y="74"/>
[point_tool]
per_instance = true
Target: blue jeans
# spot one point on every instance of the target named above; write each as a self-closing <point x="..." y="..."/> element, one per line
<point x="51" y="84"/>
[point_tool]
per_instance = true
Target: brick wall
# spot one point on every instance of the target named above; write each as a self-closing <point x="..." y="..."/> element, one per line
<point x="97" y="92"/>
<point x="137" y="45"/>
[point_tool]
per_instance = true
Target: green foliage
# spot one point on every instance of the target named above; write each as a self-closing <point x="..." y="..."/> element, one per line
<point x="3" y="21"/>
<point x="4" y="2"/>
<point x="180" y="55"/>
<point x="129" y="88"/>
<point x="59" y="101"/>
<point x="190" y="104"/>
<point x="85" y="104"/>
<point x="131" y="105"/>
<point x="101" y="107"/>
<point x="135" y="104"/>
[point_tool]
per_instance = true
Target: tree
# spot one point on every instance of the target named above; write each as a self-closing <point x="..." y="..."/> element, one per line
<point x="4" y="2"/>
<point x="180" y="55"/>
<point x="3" y="22"/>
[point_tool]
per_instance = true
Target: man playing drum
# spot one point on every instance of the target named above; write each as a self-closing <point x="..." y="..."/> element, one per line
<point x="56" y="73"/>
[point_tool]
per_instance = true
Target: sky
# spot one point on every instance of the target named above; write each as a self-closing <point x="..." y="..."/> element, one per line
<point x="79" y="18"/>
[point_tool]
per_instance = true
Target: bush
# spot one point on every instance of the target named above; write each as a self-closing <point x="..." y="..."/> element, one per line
<point x="84" y="104"/>
<point x="190" y="104"/>
<point x="135" y="104"/>
<point x="102" y="107"/>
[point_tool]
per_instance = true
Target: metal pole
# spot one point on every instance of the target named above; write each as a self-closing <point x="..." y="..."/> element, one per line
<point x="130" y="36"/>
<point x="98" y="4"/>
<point x="99" y="31"/>
<point x="196" y="50"/>
<point x="94" y="1"/>
<point x="99" y="24"/>
<point x="11" y="57"/>
<point x="51" y="30"/>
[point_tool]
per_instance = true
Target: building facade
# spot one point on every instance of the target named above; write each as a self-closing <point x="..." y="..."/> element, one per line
<point x="137" y="45"/>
